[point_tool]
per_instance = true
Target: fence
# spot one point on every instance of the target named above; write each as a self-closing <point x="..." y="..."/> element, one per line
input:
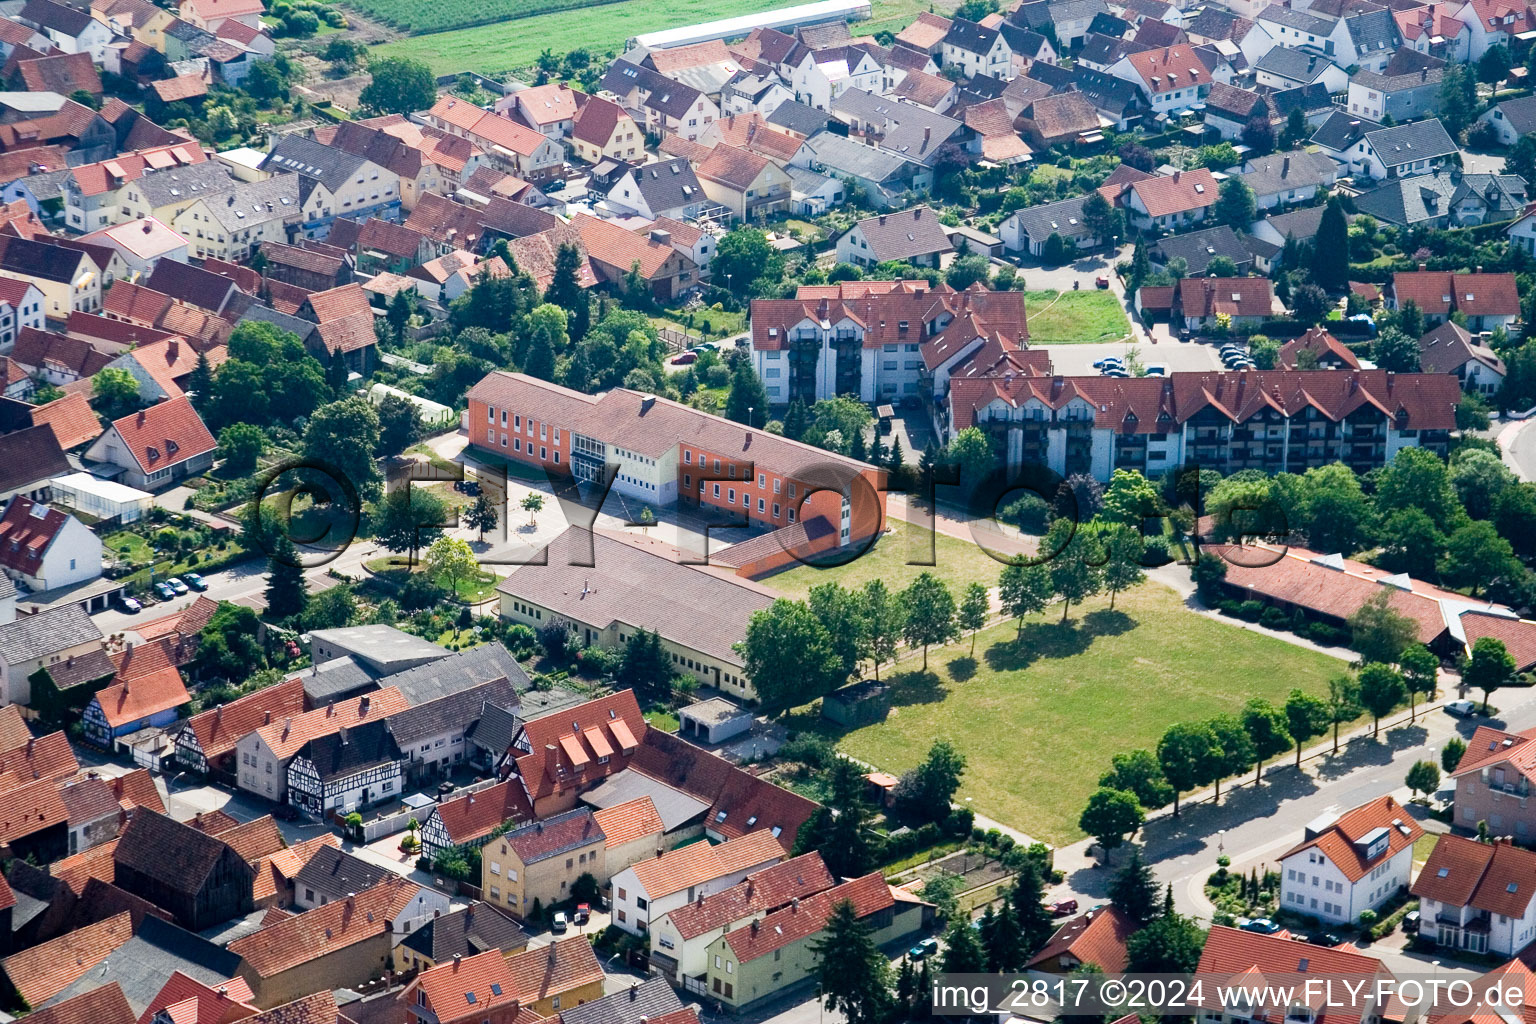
<point x="677" y="341"/>
<point x="390" y="824"/>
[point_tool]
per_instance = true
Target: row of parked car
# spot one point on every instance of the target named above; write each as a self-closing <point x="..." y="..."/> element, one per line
<point x="1235" y="357"/>
<point x="1114" y="366"/>
<point x="168" y="590"/>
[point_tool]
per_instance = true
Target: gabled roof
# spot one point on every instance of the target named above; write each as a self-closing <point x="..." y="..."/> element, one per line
<point x="125" y="703"/>
<point x="1344" y="841"/>
<point x="627" y="822"/>
<point x="43" y="971"/>
<point x="697" y="863"/>
<point x="1169" y="68"/>
<point x="618" y="247"/>
<point x="476" y="815"/>
<point x="562" y="966"/>
<point x="1497" y="877"/>
<point x="868" y="894"/>
<point x="1329" y="350"/>
<point x="165" y="434"/>
<point x="1440" y="292"/>
<point x="1237" y="296"/>
<point x="1449" y="347"/>
<point x="1179" y="192"/>
<point x="104" y="1005"/>
<point x="653" y="1000"/>
<point x="1198" y="248"/>
<point x="466" y="932"/>
<point x="190" y="1001"/>
<point x="1096" y="937"/>
<point x="469" y="987"/>
<point x="554" y="836"/>
<point x="904" y="235"/>
<point x="285" y="738"/>
<point x="297" y="940"/>
<point x="168" y="851"/>
<point x="50" y="631"/>
<point x="1408" y="143"/>
<point x="766" y="890"/>
<point x="27" y="530"/>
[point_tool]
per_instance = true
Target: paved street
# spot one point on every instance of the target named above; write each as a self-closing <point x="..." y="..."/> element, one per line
<point x="1519" y="443"/>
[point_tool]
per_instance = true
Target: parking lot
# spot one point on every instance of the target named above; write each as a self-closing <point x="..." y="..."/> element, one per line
<point x="1070" y="360"/>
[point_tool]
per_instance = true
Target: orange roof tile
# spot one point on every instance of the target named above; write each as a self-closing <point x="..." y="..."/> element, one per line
<point x="30" y="808"/>
<point x="77" y="870"/>
<point x="624" y="823"/>
<point x="137" y="789"/>
<point x="129" y="701"/>
<point x="562" y="966"/>
<point x="45" y="970"/>
<point x="230" y="1002"/>
<point x="286" y="737"/>
<point x="868" y="894"/>
<point x="466" y="988"/>
<point x="697" y="863"/>
<point x="768" y="889"/>
<point x="297" y="940"/>
<point x="218" y="730"/>
<point x="72" y="419"/>
<point x="1340" y="842"/>
<point x="255" y="839"/>
<point x="164" y="435"/>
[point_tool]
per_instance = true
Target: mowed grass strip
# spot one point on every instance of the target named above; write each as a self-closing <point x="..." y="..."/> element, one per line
<point x="514" y="45"/>
<point x="1075" y="318"/>
<point x="1039" y="718"/>
<point x="955" y="561"/>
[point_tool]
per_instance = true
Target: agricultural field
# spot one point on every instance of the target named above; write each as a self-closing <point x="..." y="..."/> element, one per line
<point x="565" y="25"/>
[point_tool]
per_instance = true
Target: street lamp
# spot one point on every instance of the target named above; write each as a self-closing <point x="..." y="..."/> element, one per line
<point x="1221" y="840"/>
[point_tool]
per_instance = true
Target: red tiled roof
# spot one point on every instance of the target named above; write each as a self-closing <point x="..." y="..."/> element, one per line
<point x="476" y="815"/>
<point x="1097" y="937"/>
<point x="1441" y="291"/>
<point x="1340" y="842"/>
<point x="27" y="531"/>
<point x="45" y="970"/>
<point x="768" y="889"/>
<point x="212" y="10"/>
<point x="164" y="435"/>
<point x="472" y="987"/>
<point x="290" y="942"/>
<point x="697" y="863"/>
<point x="1232" y="951"/>
<point x="487" y="125"/>
<point x="182" y="87"/>
<point x="1329" y="350"/>
<point x="97" y="863"/>
<point x="255" y="839"/>
<point x="868" y="894"/>
<point x="1235" y="296"/>
<point x="73" y="421"/>
<point x="627" y="822"/>
<point x="1169" y="68"/>
<point x="218" y="730"/>
<point x="1167" y="194"/>
<point x="63" y="73"/>
<point x="1496" y="877"/>
<point x="563" y="966"/>
<point x="596" y="120"/>
<point x="13" y="728"/>
<point x="286" y="737"/>
<point x="563" y="745"/>
<point x="137" y="789"/>
<point x="125" y="703"/>
<point x="47" y="757"/>
<point x="228" y="1003"/>
<point x="621" y="248"/>
<point x="104" y="1005"/>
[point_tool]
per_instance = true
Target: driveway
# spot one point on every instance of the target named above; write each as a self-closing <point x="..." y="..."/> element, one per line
<point x="1079" y="359"/>
<point x="1081" y="272"/>
<point x="1482" y="163"/>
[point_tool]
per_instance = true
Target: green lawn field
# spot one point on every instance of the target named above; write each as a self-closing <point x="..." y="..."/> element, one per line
<point x="1075" y="318"/>
<point x="1038" y="719"/>
<point x="510" y="45"/>
<point x="956" y="562"/>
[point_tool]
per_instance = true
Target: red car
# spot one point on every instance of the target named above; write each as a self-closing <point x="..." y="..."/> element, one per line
<point x="583" y="913"/>
<point x="1102" y="281"/>
<point x="684" y="358"/>
<point x="1063" y="907"/>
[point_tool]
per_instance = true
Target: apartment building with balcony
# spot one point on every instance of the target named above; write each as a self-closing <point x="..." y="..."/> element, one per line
<point x="1477" y="896"/>
<point x="665" y="454"/>
<point x="1274" y="421"/>
<point x="1494" y="781"/>
<point x="885" y="340"/>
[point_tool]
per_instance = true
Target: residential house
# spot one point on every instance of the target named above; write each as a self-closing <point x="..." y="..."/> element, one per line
<point x="1450" y="348"/>
<point x="1066" y="119"/>
<point x="1511" y="119"/>
<point x="536" y="864"/>
<point x="305" y="268"/>
<point x="913" y="236"/>
<point x="750" y="92"/>
<point x="547" y="109"/>
<point x="334" y="183"/>
<point x="1235" y="301"/>
<point x="1349" y="863"/>
<point x="461" y="934"/>
<point x="679" y="939"/>
<point x="976" y="49"/>
<point x="470" y="819"/>
<point x="753" y="962"/>
<point x="1232" y="952"/>
<point x="884" y="176"/>
<point x="501" y="989"/>
<point x="207" y="742"/>
<point x="67" y="278"/>
<point x="915" y="133"/>
<point x="52" y="639"/>
<point x="1397" y="152"/>
<point x="614" y="250"/>
<point x="1408" y="89"/>
<point x="1028" y="229"/>
<point x="1486" y="300"/>
<point x="1493" y="23"/>
<point x="1432" y="28"/>
<point x="431" y="735"/>
<point x="141" y="244"/>
<point x="210" y="15"/>
<point x="1167" y="202"/>
<point x="157" y="446"/>
<point x="163" y="195"/>
<point x="70" y="29"/>
<point x="666" y="188"/>
<point x="1476" y="896"/>
<point x="1446" y="199"/>
<point x="331" y="875"/>
<point x="200" y="879"/>
<point x="1491" y="780"/>
<point x="693" y="242"/>
<point x="386" y="247"/>
<point x="1096" y="937"/>
<point x="1285" y="179"/>
<point x="1198" y="248"/>
<point x="232" y="225"/>
<point x="750" y="186"/>
<point x="560" y="756"/>
<point x="1316" y="350"/>
<point x="603" y="130"/>
<point x="1219" y="419"/>
<point x="1285" y="68"/>
<point x="822" y="76"/>
<point x="1069" y="19"/>
<point x="347" y="770"/>
<point x="266" y="754"/>
<point x="342" y="944"/>
<point x="149" y="701"/>
<point x="1170" y="78"/>
<point x="632" y="831"/>
<point x="925" y="34"/>
<point x="21" y="305"/>
<point x="44" y="548"/>
<point x="650" y="889"/>
<point x="1229" y="109"/>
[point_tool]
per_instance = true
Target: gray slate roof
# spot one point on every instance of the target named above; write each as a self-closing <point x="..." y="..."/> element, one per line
<point x="841" y="155"/>
<point x="257" y="202"/>
<point x="338" y="678"/>
<point x="910" y="131"/>
<point x="673" y="806"/>
<point x="327" y="165"/>
<point x="798" y="118"/>
<point x="1064" y="218"/>
<point x="175" y="184"/>
<point x="1198" y="248"/>
<point x="335" y="873"/>
<point x="1342" y="130"/>
<point x="454" y="712"/>
<point x="667" y="184"/>
<point x="645" y="1000"/>
<point x="1278" y="172"/>
<point x="1301" y="21"/>
<point x="1520" y="113"/>
<point x="476" y="928"/>
<point x="1298" y="223"/>
<point x="32" y="637"/>
<point x="1405" y="143"/>
<point x="1373" y="31"/>
<point x="904" y="234"/>
<point x="143" y="964"/>
<point x="1295" y="65"/>
<point x="457" y="672"/>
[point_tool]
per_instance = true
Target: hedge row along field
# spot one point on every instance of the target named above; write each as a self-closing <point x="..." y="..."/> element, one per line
<point x="418" y="18"/>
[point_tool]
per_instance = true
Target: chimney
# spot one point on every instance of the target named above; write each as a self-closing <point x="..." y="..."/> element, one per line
<point x="343" y="734"/>
<point x="794" y="905"/>
<point x="458" y="958"/>
<point x="141" y="418"/>
<point x="330" y="709"/>
<point x="1176" y="175"/>
<point x="147" y="228"/>
<point x="223" y="991"/>
<point x="266" y="718"/>
<point x="754" y="926"/>
<point x="551" y="759"/>
<point x="172" y="347"/>
<point x="659" y="852"/>
<point x="362" y="705"/>
<point x="287" y="725"/>
<point x="634" y="991"/>
<point x="1285" y="168"/>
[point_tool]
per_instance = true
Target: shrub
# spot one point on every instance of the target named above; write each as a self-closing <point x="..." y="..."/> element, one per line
<point x="810" y="750"/>
<point x="959" y="821"/>
<point x="1274" y="618"/>
<point x="1250" y="610"/>
<point x="1156" y="552"/>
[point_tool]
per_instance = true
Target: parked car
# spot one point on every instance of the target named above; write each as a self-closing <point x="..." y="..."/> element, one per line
<point x="164" y="592"/>
<point x="1461" y="708"/>
<point x="923" y="949"/>
<point x="557" y="185"/>
<point x="194" y="581"/>
<point x="558" y="924"/>
<point x="176" y="585"/>
<point x="1157" y="370"/>
<point x="1411" y="922"/>
<point x="1184" y="334"/>
<point x="1325" y="939"/>
<point x="1262" y="925"/>
<point x="1113" y="372"/>
<point x="1061" y="908"/>
<point x="130" y="605"/>
<point x="1102" y="281"/>
<point x="684" y="358"/>
<point x="583" y="913"/>
<point x="1108" y="361"/>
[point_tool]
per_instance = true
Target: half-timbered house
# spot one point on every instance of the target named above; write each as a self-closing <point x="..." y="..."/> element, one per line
<point x="206" y="744"/>
<point x="351" y="768"/>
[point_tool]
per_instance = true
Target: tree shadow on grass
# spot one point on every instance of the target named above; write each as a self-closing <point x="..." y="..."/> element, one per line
<point x="962" y="668"/>
<point x="1108" y="622"/>
<point x="1038" y="640"/>
<point x="917" y="687"/>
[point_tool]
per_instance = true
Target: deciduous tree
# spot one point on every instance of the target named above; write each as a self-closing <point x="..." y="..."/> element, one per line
<point x="1306" y="717"/>
<point x="1111" y="815"/>
<point x="1381" y="690"/>
<point x="1190" y="755"/>
<point x="930" y="609"/>
<point x="1488" y="667"/>
<point x="1268" y="730"/>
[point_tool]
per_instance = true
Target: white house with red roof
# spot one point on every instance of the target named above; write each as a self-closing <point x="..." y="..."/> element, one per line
<point x="157" y="446"/>
<point x="1477" y="896"/>
<point x="21" y="305"/>
<point x="45" y="548"/>
<point x="141" y="243"/>
<point x="1279" y="962"/>
<point x="1349" y="863"/>
<point x="1171" y="77"/>
<point x="1494" y="23"/>
<point x="210" y="15"/>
